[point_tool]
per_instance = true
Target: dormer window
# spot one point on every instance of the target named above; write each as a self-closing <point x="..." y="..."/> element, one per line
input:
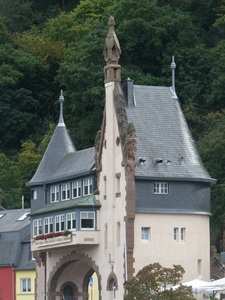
<point x="54" y="193"/>
<point x="65" y="191"/>
<point x="161" y="188"/>
<point x="87" y="187"/>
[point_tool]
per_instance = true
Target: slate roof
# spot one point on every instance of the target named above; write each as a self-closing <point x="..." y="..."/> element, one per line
<point x="88" y="201"/>
<point x="9" y="221"/>
<point x="12" y="234"/>
<point x="59" y="146"/>
<point x="162" y="132"/>
<point x="61" y="160"/>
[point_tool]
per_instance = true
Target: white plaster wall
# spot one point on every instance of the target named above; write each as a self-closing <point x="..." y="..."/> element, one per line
<point x="163" y="249"/>
<point x="111" y="257"/>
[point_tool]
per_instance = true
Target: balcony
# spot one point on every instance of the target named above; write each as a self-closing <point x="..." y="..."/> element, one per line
<point x="77" y="238"/>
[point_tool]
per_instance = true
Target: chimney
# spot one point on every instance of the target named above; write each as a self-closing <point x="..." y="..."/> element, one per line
<point x="128" y="86"/>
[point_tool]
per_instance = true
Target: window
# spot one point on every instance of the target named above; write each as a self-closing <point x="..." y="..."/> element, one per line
<point x="23" y="217"/>
<point x="118" y="193"/>
<point x="65" y="191"/>
<point x="59" y="223"/>
<point x="48" y="222"/>
<point x="106" y="236"/>
<point x="33" y="194"/>
<point x="71" y="221"/>
<point x="87" y="186"/>
<point x="76" y="189"/>
<point x="145" y="233"/>
<point x="37" y="227"/>
<point x="183" y="234"/>
<point x="87" y="220"/>
<point x="160" y="188"/>
<point x="25" y="285"/>
<point x="118" y="229"/>
<point x="199" y="268"/>
<point x="54" y="193"/>
<point x="175" y="234"/>
<point x="112" y="288"/>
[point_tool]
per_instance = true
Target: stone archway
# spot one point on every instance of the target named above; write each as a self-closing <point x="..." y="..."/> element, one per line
<point x="60" y="267"/>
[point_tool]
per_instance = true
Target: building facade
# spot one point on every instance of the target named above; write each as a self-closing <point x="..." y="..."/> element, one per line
<point x="17" y="267"/>
<point x="140" y="196"/>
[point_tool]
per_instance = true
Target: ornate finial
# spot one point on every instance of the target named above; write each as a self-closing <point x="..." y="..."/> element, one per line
<point x="112" y="54"/>
<point x="112" y="47"/>
<point x="61" y="100"/>
<point x="111" y="22"/>
<point x="173" y="67"/>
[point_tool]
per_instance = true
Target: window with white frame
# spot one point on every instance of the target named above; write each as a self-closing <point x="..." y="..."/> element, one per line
<point x="54" y="193"/>
<point x="87" y="220"/>
<point x="37" y="227"/>
<point x="48" y="224"/>
<point x="59" y="223"/>
<point x="25" y="285"/>
<point x="65" y="191"/>
<point x="183" y="234"/>
<point x="33" y="194"/>
<point x="145" y="233"/>
<point x="71" y="221"/>
<point x="175" y="234"/>
<point x="87" y="186"/>
<point x="160" y="188"/>
<point x="76" y="189"/>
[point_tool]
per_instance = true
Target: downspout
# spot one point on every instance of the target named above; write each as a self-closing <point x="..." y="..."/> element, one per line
<point x="125" y="250"/>
<point x="45" y="276"/>
<point x="13" y="282"/>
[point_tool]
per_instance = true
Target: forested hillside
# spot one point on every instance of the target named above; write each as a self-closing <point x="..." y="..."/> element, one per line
<point x="48" y="45"/>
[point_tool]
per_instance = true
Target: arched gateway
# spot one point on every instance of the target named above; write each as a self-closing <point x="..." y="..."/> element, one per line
<point x="70" y="277"/>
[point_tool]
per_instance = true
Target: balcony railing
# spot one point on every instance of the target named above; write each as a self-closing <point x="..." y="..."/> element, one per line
<point x="77" y="238"/>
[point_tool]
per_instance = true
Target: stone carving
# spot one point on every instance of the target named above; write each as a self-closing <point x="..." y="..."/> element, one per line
<point x="130" y="149"/>
<point x="112" y="47"/>
<point x="97" y="149"/>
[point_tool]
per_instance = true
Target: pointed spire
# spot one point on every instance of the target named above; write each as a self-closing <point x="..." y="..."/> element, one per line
<point x="173" y="67"/>
<point x="61" y="100"/>
<point x="112" y="53"/>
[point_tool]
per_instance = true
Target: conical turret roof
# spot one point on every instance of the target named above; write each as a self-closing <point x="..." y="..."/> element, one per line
<point x="59" y="146"/>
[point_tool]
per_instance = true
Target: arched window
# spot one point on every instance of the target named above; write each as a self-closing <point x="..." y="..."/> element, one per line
<point x="68" y="292"/>
<point x="118" y="234"/>
<point x="112" y="288"/>
<point x="106" y="236"/>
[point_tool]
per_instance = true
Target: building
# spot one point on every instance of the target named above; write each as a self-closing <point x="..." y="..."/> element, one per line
<point x="17" y="267"/>
<point x="142" y="195"/>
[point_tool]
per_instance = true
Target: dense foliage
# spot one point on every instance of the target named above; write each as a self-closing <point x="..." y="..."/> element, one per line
<point x="154" y="282"/>
<point x="49" y="45"/>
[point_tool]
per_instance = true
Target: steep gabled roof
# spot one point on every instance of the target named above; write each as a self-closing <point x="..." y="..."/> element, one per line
<point x="162" y="133"/>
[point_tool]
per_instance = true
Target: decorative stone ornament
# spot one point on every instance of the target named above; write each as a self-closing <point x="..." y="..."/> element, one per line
<point x="111" y="54"/>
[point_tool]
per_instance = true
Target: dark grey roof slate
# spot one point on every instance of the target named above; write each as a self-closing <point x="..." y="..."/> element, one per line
<point x="9" y="248"/>
<point x="162" y="132"/>
<point x="59" y="146"/>
<point x="75" y="163"/>
<point x="12" y="233"/>
<point x="62" y="205"/>
<point x="9" y="222"/>
<point x="26" y="262"/>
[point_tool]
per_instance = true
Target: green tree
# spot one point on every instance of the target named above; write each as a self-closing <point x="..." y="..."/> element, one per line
<point x="154" y="282"/>
<point x="10" y="182"/>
